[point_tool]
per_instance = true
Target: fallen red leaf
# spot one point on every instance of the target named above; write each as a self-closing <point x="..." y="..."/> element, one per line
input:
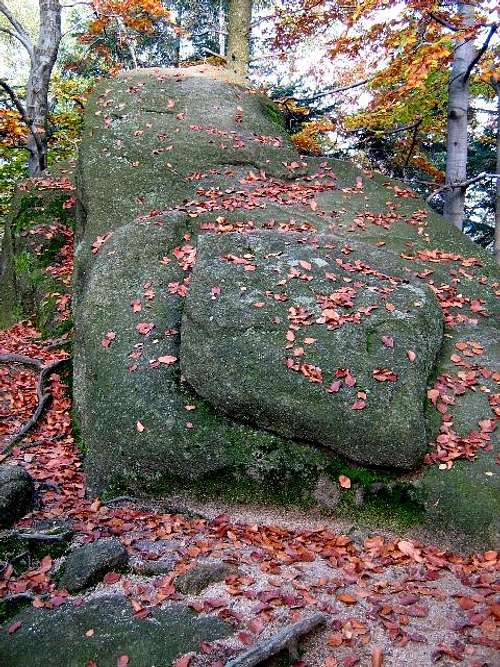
<point x="388" y="341"/>
<point x="167" y="359"/>
<point x="344" y="482"/>
<point x="111" y="577"/>
<point x="14" y="627"/>
<point x="377" y="657"/>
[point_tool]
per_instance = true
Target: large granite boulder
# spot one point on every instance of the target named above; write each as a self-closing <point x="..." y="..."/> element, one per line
<point x="168" y="157"/>
<point x="154" y="135"/>
<point x="314" y="342"/>
<point x="102" y="630"/>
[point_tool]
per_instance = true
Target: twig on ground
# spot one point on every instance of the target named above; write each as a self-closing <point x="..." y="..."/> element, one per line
<point x="286" y="639"/>
<point x="44" y="537"/>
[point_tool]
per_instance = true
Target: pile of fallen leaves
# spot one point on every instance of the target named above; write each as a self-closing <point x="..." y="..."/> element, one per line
<point x="377" y="592"/>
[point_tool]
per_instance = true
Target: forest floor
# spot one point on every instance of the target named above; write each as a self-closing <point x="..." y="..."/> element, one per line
<point x="388" y="600"/>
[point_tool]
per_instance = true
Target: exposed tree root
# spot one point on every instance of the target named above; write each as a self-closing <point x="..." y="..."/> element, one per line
<point x="20" y="359"/>
<point x="43" y="398"/>
<point x="286" y="639"/>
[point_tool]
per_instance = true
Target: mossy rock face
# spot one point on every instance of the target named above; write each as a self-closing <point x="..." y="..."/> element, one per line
<point x="296" y="365"/>
<point x="38" y="228"/>
<point x="52" y="638"/>
<point x="167" y="158"/>
<point x="172" y="440"/>
<point x="148" y="133"/>
<point x="463" y="502"/>
<point x="133" y="128"/>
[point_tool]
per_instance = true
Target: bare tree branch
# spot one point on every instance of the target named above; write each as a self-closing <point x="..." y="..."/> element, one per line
<point x="16" y="101"/>
<point x="403" y="128"/>
<point x="205" y="49"/>
<point x="17" y="147"/>
<point x="413" y="142"/>
<point x="443" y="22"/>
<point x="332" y="91"/>
<point x="11" y="33"/>
<point x="19" y="31"/>
<point x="482" y="110"/>
<point x="481" y="51"/>
<point x="22" y="112"/>
<point x="463" y="184"/>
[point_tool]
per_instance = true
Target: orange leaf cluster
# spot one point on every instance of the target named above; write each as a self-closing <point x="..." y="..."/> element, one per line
<point x="12" y="130"/>
<point x="139" y="15"/>
<point x="307" y="140"/>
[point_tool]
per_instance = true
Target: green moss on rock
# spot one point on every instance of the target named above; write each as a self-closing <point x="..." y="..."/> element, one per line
<point x="202" y="450"/>
<point x="58" y="637"/>
<point x="31" y="243"/>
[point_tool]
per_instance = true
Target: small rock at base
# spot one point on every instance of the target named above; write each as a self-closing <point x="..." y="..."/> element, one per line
<point x="87" y="565"/>
<point x="153" y="568"/>
<point x="326" y="493"/>
<point x="16" y="494"/>
<point x="202" y="575"/>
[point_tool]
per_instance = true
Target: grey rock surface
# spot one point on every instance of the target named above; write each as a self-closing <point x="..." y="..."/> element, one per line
<point x="85" y="566"/>
<point x="16" y="494"/>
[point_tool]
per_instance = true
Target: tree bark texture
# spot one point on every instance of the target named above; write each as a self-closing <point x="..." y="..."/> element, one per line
<point x="458" y="104"/>
<point x="497" y="197"/>
<point x="238" y="38"/>
<point x="37" y="90"/>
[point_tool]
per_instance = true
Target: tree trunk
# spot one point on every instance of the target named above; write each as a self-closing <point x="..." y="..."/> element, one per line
<point x="222" y="23"/>
<point x="238" y="38"/>
<point x="177" y="41"/>
<point x="458" y="104"/>
<point x="37" y="90"/>
<point x="497" y="198"/>
<point x="122" y="30"/>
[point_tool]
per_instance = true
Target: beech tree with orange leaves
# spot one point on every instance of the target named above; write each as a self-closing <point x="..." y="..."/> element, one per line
<point x="419" y="59"/>
<point x="123" y="23"/>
